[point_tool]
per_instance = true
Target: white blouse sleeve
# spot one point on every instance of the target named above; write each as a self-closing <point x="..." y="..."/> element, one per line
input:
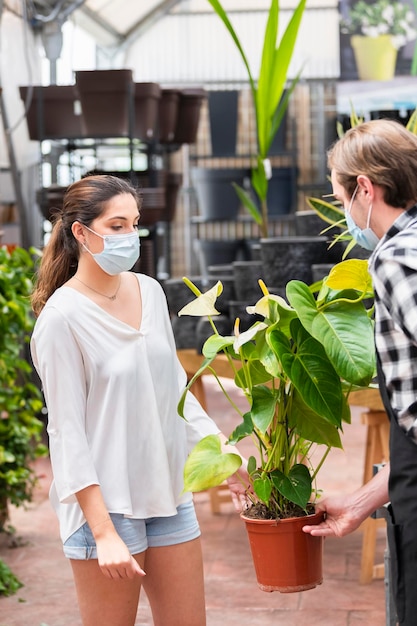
<point x="198" y="423"/>
<point x="58" y="361"/>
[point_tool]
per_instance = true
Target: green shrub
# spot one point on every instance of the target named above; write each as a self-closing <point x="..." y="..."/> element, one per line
<point x="9" y="584"/>
<point x="20" y="398"/>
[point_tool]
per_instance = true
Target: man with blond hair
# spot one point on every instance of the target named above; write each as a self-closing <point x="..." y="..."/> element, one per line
<point x="374" y="176"/>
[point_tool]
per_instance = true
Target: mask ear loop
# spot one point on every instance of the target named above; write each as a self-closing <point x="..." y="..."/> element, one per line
<point x="352" y="199"/>
<point x="369" y="215"/>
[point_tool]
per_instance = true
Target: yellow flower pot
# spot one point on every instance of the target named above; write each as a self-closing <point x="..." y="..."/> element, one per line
<point x="375" y="57"/>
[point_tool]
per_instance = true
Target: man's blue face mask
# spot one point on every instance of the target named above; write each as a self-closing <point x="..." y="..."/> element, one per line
<point x="365" y="237"/>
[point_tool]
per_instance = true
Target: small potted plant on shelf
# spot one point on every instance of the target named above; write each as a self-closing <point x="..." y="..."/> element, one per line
<point x="296" y="369"/>
<point x="378" y="30"/>
<point x="270" y="98"/>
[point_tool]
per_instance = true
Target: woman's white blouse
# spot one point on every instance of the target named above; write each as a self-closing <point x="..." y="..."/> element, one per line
<point x="112" y="394"/>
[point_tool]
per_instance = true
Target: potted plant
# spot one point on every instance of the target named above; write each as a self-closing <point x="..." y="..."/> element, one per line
<point x="270" y="98"/>
<point x="378" y="30"/>
<point x="296" y="369"/>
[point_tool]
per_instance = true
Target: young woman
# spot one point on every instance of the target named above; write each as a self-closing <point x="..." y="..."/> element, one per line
<point x="105" y="353"/>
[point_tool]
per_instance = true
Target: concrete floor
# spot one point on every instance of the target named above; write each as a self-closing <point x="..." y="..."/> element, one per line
<point x="232" y="595"/>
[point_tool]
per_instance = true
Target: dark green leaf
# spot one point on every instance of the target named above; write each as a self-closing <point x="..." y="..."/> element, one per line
<point x="296" y="486"/>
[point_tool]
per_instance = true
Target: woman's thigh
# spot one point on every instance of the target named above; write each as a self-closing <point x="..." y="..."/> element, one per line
<point x="174" y="584"/>
<point x="103" y="601"/>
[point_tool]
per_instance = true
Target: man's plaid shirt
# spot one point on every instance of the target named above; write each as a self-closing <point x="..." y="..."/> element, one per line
<point x="393" y="267"/>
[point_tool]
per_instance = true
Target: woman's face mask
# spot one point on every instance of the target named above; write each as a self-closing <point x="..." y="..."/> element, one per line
<point x="119" y="254"/>
<point x="365" y="237"/>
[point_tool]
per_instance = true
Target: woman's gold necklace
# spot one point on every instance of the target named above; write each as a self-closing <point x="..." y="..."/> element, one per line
<point x="113" y="297"/>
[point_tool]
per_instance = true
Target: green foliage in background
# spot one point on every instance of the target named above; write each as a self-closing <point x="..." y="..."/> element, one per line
<point x="20" y="398"/>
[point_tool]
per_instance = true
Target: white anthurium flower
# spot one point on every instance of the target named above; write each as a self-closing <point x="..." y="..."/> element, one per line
<point x="248" y="335"/>
<point x="203" y="305"/>
<point x="262" y="306"/>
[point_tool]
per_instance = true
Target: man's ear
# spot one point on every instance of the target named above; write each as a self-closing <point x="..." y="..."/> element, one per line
<point x="366" y="187"/>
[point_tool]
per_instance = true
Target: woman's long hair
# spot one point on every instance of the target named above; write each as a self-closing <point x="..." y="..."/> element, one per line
<point x="83" y="202"/>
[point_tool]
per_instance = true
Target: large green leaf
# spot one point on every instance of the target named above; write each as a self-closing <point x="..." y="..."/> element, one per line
<point x="253" y="374"/>
<point x="242" y="430"/>
<point x="343" y="328"/>
<point x="310" y="426"/>
<point x="263" y="407"/>
<point x="207" y="466"/>
<point x="310" y="371"/>
<point x="296" y="486"/>
<point x="351" y="274"/>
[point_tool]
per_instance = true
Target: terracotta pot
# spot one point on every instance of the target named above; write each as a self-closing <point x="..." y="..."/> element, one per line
<point x="285" y="558"/>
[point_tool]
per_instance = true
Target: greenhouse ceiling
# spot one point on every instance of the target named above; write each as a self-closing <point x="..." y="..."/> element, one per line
<point x="119" y="22"/>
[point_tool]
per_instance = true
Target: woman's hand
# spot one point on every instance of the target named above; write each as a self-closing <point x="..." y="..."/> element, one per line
<point x="239" y="487"/>
<point x="113" y="555"/>
<point x="114" y="558"/>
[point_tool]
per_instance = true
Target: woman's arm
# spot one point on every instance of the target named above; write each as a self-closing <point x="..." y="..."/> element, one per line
<point x="114" y="557"/>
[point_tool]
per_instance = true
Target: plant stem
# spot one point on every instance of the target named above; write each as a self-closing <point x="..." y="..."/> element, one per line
<point x="227" y="396"/>
<point x="324" y="457"/>
<point x="264" y="225"/>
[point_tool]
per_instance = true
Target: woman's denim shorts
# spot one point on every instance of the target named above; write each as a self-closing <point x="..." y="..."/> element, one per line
<point x="138" y="534"/>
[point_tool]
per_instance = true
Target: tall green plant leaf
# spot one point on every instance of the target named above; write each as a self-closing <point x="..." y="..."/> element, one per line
<point x="248" y="203"/>
<point x="273" y="71"/>
<point x="328" y="212"/>
<point x="223" y="16"/>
